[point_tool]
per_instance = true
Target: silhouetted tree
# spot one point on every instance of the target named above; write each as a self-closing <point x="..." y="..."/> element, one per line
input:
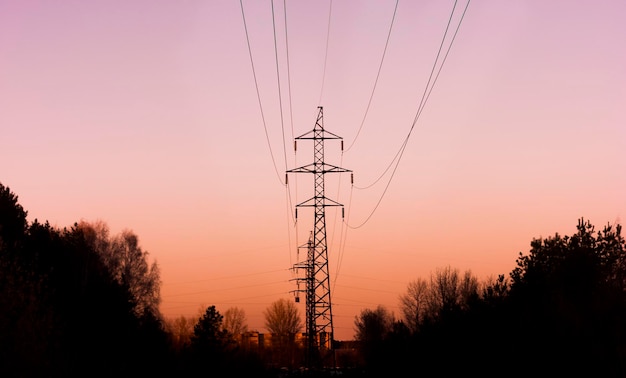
<point x="180" y="330"/>
<point x="372" y="327"/>
<point x="128" y="264"/>
<point x="414" y="303"/>
<point x="495" y="290"/>
<point x="235" y="322"/>
<point x="444" y="294"/>
<point x="208" y="334"/>
<point x="211" y="345"/>
<point x="282" y="320"/>
<point x="450" y="293"/>
<point x="13" y="223"/>
<point x="442" y="314"/>
<point x="26" y="324"/>
<point x="63" y="312"/>
<point x="569" y="301"/>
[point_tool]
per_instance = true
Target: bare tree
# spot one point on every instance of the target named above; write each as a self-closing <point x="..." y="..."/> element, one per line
<point x="282" y="318"/>
<point x="235" y="322"/>
<point x="373" y="325"/>
<point x="444" y="291"/>
<point x="180" y="330"/>
<point x="372" y="331"/>
<point x="414" y="303"/>
<point x="128" y="264"/>
<point x="495" y="289"/>
<point x="468" y="290"/>
<point x="133" y="271"/>
<point x="283" y="321"/>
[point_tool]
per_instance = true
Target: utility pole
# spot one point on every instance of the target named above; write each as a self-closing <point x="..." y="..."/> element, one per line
<point x="319" y="318"/>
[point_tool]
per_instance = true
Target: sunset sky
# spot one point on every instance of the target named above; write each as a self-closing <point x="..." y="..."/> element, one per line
<point x="145" y="115"/>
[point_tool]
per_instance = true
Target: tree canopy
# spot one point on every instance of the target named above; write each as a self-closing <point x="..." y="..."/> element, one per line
<point x="568" y="299"/>
<point x="235" y="321"/>
<point x="282" y="318"/>
<point x="561" y="310"/>
<point x="208" y="335"/>
<point x="64" y="309"/>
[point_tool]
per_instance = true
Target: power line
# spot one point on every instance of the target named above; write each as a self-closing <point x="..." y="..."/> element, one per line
<point x="227" y="277"/>
<point x="237" y="301"/>
<point x="425" y="97"/>
<point x="289" y="199"/>
<point x="269" y="145"/>
<point x="367" y="289"/>
<point x="381" y="175"/>
<point x="330" y="10"/>
<point x="288" y="70"/>
<point x="342" y="238"/>
<point x="375" y="279"/>
<point x="224" y="289"/>
<point x="280" y="97"/>
<point x="382" y="59"/>
<point x="420" y="106"/>
<point x="342" y="247"/>
<point x="343" y="233"/>
<point x="290" y="203"/>
<point x="290" y="217"/>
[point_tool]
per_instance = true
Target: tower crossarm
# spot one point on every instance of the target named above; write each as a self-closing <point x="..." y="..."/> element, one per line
<point x="322" y="134"/>
<point x="319" y="168"/>
<point x="314" y="201"/>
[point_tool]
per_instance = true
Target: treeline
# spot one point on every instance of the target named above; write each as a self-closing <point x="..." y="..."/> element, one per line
<point x="80" y="302"/>
<point x="75" y="301"/>
<point x="560" y="312"/>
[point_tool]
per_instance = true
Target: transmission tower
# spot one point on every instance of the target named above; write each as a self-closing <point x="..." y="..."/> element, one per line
<point x="319" y="318"/>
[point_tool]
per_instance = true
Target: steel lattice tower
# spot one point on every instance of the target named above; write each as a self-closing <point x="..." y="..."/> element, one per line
<point x="319" y="319"/>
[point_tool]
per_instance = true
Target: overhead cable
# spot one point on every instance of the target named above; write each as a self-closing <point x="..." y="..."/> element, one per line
<point x="267" y="138"/>
<point x="425" y="96"/>
<point x="330" y="11"/>
<point x="380" y="66"/>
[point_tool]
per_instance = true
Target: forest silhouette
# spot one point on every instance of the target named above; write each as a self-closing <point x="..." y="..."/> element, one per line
<point x="80" y="302"/>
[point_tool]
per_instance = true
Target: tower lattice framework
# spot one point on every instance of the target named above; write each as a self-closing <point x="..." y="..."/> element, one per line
<point x="319" y="318"/>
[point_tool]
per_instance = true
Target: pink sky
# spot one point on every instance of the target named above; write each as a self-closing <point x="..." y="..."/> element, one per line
<point x="144" y="114"/>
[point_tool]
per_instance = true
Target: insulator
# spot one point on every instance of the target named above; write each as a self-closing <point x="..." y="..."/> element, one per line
<point x="342" y="212"/>
<point x="286" y="179"/>
<point x="295" y="145"/>
<point x="297" y="299"/>
<point x="296" y="213"/>
<point x="342" y="145"/>
<point x="352" y="178"/>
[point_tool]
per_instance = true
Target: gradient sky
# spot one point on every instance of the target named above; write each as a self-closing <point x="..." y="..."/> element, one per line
<point x="144" y="114"/>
